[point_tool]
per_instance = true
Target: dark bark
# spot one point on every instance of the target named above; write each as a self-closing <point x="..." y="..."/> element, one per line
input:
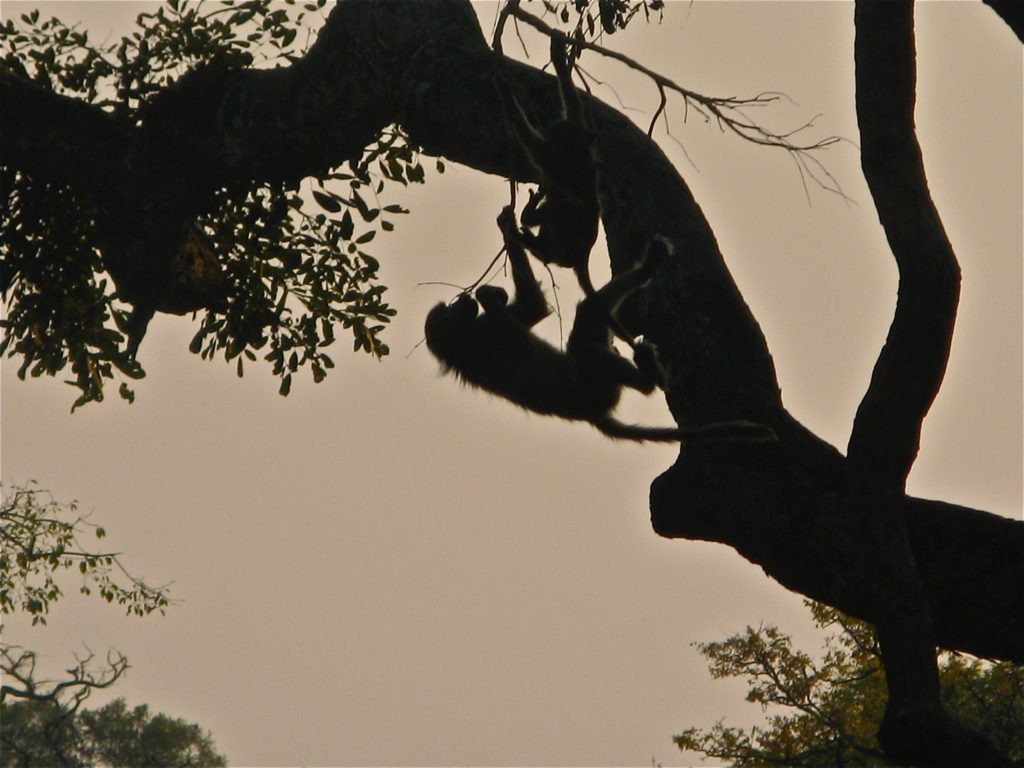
<point x="906" y="378"/>
<point x="1011" y="12"/>
<point x="887" y="429"/>
<point x="811" y="518"/>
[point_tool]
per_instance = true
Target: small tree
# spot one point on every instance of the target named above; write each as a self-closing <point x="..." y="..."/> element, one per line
<point x="43" y="723"/>
<point x="827" y="712"/>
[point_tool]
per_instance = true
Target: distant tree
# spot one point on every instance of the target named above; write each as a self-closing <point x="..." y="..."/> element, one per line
<point x="827" y="712"/>
<point x="40" y="733"/>
<point x="42" y="722"/>
<point x="41" y="544"/>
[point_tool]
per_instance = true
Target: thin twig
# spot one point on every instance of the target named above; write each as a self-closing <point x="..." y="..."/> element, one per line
<point x="726" y="111"/>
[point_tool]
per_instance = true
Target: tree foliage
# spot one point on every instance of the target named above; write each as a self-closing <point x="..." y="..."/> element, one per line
<point x="275" y="266"/>
<point x="43" y="724"/>
<point x="42" y="545"/>
<point x="43" y="720"/>
<point x="40" y="538"/>
<point x="827" y="712"/>
<point x="41" y="733"/>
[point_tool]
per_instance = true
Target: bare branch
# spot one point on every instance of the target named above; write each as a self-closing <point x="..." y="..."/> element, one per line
<point x="499" y="26"/>
<point x="19" y="664"/>
<point x="727" y="112"/>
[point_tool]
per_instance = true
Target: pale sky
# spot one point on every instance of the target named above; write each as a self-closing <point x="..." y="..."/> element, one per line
<point x="386" y="568"/>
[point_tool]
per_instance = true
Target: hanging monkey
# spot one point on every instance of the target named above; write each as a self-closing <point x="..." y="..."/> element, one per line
<point x="496" y="351"/>
<point x="565" y="209"/>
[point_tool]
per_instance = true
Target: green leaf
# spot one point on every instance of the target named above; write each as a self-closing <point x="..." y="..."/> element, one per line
<point x="346" y="227"/>
<point x="196" y="345"/>
<point x="328" y="202"/>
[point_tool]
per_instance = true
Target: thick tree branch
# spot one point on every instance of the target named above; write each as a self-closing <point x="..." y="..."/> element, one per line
<point x="787" y="513"/>
<point x="34" y="129"/>
<point x="887" y="431"/>
<point x="1011" y="12"/>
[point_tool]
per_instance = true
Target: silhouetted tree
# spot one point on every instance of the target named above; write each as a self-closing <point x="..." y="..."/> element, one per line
<point x="183" y="189"/>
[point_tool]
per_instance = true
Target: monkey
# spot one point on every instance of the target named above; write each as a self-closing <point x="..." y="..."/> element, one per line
<point x="565" y="209"/>
<point x="497" y="351"/>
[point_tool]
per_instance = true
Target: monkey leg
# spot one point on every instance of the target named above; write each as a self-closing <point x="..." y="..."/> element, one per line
<point x="645" y="356"/>
<point x="530" y="306"/>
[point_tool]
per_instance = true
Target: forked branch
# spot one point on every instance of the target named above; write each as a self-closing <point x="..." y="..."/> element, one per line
<point x="19" y="666"/>
<point x="726" y="111"/>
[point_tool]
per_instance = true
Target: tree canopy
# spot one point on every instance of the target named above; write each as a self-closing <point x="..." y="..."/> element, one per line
<point x="39" y="733"/>
<point x="135" y="187"/>
<point x="826" y="711"/>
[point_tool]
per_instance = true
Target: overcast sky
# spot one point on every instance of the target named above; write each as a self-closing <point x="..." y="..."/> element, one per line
<point x="386" y="568"/>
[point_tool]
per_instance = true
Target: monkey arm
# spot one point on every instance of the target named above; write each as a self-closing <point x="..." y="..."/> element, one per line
<point x="530" y="306"/>
<point x="595" y="316"/>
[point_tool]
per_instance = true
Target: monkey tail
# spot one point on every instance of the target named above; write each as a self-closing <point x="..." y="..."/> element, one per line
<point x="722" y="430"/>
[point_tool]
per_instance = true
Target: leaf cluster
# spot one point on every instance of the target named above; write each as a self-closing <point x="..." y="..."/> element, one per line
<point x="61" y="309"/>
<point x="295" y="274"/>
<point x="827" y="712"/>
<point x="293" y="254"/>
<point x="41" y="538"/>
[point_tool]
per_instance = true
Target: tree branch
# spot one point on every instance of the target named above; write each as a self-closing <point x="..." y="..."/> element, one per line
<point x="909" y="371"/>
<point x="787" y="514"/>
<point x="1011" y="12"/>
<point x="34" y="125"/>
<point x="907" y="376"/>
<point x="727" y="112"/>
<point x="20" y="664"/>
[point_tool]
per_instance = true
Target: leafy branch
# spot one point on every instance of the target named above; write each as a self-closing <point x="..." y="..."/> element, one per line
<point x="39" y="539"/>
<point x="827" y="712"/>
<point x="281" y="276"/>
